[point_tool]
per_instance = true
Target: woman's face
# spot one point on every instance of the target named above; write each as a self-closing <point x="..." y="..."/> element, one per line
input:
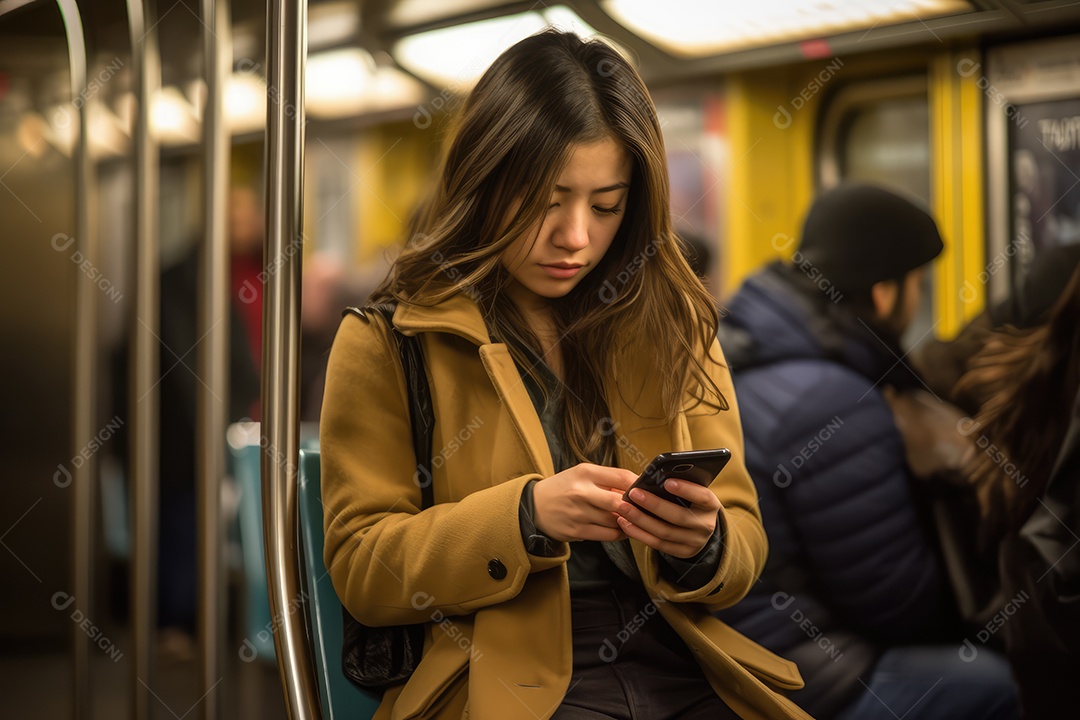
<point x="587" y="206"/>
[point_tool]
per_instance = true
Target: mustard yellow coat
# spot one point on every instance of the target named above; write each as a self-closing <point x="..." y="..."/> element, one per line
<point x="499" y="644"/>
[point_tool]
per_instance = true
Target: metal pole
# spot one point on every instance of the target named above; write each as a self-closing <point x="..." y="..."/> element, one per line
<point x="86" y="366"/>
<point x="213" y="399"/>
<point x="286" y="47"/>
<point x="146" y="71"/>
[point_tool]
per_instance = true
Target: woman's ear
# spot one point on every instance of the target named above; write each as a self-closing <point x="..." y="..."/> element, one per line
<point x="884" y="295"/>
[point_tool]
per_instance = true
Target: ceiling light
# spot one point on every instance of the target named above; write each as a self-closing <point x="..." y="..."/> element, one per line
<point x="347" y="82"/>
<point x="405" y="13"/>
<point x="32" y="129"/>
<point x="339" y="72"/>
<point x="689" y="28"/>
<point x="107" y="135"/>
<point x="455" y="57"/>
<point x="245" y="102"/>
<point x="172" y="118"/>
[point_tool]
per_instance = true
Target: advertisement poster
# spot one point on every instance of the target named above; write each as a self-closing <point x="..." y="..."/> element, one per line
<point x="1044" y="176"/>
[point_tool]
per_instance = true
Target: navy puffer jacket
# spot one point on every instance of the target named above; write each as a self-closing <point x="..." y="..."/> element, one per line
<point x="851" y="568"/>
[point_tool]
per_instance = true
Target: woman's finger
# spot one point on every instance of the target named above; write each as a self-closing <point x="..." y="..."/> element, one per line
<point x="663" y="509"/>
<point x="701" y="497"/>
<point x="660" y="526"/>
<point x="637" y="532"/>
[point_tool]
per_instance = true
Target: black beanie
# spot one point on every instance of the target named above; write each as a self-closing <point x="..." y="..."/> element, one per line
<point x="856" y="235"/>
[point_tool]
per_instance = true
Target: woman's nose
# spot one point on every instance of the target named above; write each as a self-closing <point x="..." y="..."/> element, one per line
<point x="573" y="232"/>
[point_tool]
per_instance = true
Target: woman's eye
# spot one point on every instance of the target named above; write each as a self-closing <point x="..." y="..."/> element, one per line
<point x="553" y="205"/>
<point x="607" y="210"/>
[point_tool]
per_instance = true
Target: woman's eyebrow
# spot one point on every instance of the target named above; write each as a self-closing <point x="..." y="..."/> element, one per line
<point x="606" y="188"/>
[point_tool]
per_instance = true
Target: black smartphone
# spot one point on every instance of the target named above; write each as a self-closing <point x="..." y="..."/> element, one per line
<point x="696" y="466"/>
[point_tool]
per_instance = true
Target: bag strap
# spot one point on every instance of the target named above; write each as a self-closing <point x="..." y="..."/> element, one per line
<point x="421" y="412"/>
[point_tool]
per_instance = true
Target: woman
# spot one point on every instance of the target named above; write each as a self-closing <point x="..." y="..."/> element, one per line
<point x="565" y="341"/>
<point x="1026" y="472"/>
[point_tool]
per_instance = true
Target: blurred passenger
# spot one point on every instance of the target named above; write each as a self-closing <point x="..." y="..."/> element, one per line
<point x="942" y="363"/>
<point x="246" y="235"/>
<point x="328" y="285"/>
<point x="968" y="544"/>
<point x="1026" y="469"/>
<point x="854" y="590"/>
<point x="179" y="385"/>
<point x="567" y="343"/>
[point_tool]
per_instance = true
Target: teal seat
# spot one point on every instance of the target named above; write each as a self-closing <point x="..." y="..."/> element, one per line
<point x="246" y="456"/>
<point x="340" y="699"/>
<point x="245" y="452"/>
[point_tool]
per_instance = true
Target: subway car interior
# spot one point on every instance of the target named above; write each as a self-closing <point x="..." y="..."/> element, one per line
<point x="194" y="190"/>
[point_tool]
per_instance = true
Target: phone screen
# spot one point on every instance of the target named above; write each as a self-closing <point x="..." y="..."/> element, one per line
<point x="696" y="466"/>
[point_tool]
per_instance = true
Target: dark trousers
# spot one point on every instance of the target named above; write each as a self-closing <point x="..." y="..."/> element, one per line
<point x="630" y="665"/>
<point x="938" y="683"/>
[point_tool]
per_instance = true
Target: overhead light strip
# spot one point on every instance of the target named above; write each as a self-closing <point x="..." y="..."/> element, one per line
<point x="687" y="28"/>
<point x="455" y="57"/>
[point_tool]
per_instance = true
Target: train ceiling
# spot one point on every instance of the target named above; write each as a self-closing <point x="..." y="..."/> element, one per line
<point x="375" y="59"/>
<point x="682" y="38"/>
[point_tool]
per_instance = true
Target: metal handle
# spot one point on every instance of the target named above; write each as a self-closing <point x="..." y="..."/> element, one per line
<point x="212" y="408"/>
<point x="85" y="380"/>
<point x="286" y="48"/>
<point x="146" y="71"/>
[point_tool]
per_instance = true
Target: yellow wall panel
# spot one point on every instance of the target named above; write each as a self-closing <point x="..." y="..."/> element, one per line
<point x="395" y="165"/>
<point x="956" y="133"/>
<point x="772" y="116"/>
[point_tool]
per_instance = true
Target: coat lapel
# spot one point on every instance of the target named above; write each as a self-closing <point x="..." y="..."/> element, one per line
<point x="507" y="380"/>
<point x="459" y="315"/>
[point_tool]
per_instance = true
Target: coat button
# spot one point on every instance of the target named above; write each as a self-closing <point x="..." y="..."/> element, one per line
<point x="496" y="569"/>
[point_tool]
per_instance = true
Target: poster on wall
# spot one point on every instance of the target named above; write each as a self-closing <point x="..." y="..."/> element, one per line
<point x="1044" y="180"/>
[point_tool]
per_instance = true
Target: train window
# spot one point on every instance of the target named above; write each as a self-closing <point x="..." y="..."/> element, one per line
<point x="879" y="132"/>
<point x="697" y="154"/>
<point x="333" y="204"/>
<point x="888" y="143"/>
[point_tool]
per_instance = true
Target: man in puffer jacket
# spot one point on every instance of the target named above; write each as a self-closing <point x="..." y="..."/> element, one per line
<point x="854" y="591"/>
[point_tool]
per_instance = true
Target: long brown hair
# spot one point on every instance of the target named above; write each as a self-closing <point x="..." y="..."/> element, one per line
<point x="1028" y="380"/>
<point x="515" y="133"/>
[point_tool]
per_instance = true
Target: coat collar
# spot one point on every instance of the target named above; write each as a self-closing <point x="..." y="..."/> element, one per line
<point x="458" y="314"/>
<point x="637" y="415"/>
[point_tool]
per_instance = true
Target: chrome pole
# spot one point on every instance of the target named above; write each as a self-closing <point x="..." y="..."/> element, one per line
<point x="213" y="398"/>
<point x="86" y="366"/>
<point x="146" y="73"/>
<point x="286" y="47"/>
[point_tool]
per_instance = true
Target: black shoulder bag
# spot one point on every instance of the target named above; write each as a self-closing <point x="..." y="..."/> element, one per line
<point x="376" y="658"/>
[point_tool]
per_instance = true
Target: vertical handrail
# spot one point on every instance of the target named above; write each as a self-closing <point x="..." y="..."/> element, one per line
<point x="85" y="366"/>
<point x="213" y="399"/>
<point x="286" y="47"/>
<point x="146" y="73"/>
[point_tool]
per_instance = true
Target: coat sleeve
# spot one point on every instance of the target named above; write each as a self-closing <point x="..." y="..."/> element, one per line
<point x="390" y="562"/>
<point x="745" y="546"/>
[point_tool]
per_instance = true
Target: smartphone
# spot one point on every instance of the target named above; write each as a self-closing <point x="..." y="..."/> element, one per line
<point x="696" y="466"/>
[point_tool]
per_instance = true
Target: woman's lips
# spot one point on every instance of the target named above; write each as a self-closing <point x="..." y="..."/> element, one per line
<point x="562" y="272"/>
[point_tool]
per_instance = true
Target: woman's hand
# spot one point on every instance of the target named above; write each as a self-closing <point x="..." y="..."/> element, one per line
<point x="581" y="503"/>
<point x="677" y="531"/>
